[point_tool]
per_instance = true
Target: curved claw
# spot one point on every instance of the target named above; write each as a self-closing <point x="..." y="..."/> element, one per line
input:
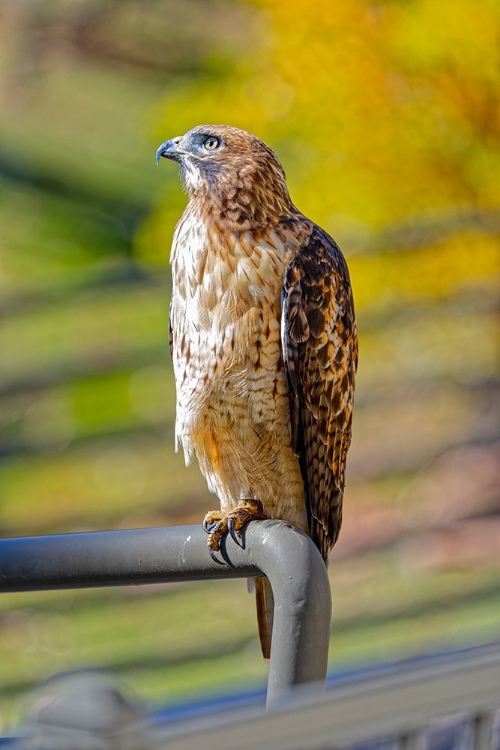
<point x="235" y="536"/>
<point x="214" y="557"/>
<point x="207" y="527"/>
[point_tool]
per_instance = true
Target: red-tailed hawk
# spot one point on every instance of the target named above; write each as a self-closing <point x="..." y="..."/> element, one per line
<point x="263" y="341"/>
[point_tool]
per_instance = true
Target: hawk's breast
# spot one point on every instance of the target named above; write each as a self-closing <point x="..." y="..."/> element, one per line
<point x="225" y="320"/>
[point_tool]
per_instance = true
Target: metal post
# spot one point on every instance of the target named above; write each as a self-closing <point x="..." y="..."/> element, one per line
<point x="482" y="730"/>
<point x="412" y="740"/>
<point x="279" y="550"/>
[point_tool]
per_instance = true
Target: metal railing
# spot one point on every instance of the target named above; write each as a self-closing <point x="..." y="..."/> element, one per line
<point x="278" y="550"/>
<point x="399" y="705"/>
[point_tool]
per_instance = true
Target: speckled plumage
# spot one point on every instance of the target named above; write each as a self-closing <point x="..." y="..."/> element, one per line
<point x="263" y="338"/>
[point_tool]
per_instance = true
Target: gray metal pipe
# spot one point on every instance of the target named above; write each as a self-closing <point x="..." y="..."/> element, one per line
<point x="396" y="701"/>
<point x="278" y="550"/>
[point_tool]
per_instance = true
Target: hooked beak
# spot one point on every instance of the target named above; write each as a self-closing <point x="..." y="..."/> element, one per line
<point x="169" y="150"/>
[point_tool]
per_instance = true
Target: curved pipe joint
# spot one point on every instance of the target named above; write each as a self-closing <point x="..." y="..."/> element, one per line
<point x="276" y="549"/>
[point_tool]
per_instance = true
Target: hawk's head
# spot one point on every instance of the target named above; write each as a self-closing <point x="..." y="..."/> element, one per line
<point x="230" y="166"/>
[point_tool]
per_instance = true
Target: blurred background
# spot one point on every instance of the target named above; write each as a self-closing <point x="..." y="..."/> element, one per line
<point x="386" y="116"/>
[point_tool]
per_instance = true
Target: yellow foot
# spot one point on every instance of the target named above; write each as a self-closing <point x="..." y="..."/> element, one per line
<point x="217" y="523"/>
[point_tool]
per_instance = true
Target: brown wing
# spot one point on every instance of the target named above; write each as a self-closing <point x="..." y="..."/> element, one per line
<point x="319" y="339"/>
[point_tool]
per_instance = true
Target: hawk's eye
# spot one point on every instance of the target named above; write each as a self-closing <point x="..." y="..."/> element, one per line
<point x="211" y="143"/>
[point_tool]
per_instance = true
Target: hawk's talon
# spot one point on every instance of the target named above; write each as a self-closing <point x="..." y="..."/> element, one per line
<point x="211" y="520"/>
<point x="214" y="557"/>
<point x="234" y="533"/>
<point x="218" y="523"/>
<point x="207" y="526"/>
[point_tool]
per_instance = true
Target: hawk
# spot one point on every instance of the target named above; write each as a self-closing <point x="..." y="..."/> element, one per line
<point x="264" y="344"/>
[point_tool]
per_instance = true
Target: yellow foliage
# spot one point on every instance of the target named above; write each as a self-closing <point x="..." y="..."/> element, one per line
<point x="378" y="111"/>
<point x="459" y="265"/>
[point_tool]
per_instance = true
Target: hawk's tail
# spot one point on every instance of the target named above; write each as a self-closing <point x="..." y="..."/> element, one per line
<point x="265" y="613"/>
